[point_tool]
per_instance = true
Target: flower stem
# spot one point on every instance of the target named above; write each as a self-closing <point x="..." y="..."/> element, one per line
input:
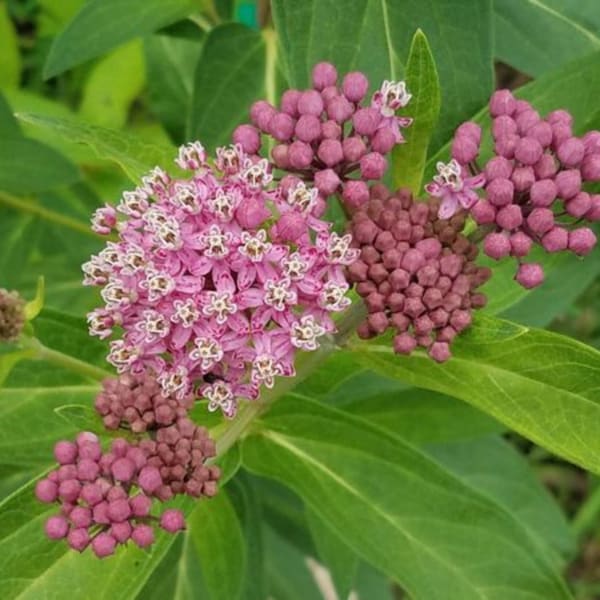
<point x="30" y="207"/>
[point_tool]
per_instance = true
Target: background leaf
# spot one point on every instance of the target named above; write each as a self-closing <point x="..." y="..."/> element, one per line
<point x="10" y="57"/>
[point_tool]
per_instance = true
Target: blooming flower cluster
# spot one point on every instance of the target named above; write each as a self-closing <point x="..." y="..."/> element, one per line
<point x="12" y="315"/>
<point x="327" y="136"/>
<point x="533" y="185"/>
<point x="217" y="279"/>
<point x="416" y="272"/>
<point x="105" y="498"/>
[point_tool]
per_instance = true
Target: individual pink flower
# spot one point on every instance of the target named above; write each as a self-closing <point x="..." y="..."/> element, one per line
<point x="391" y="97"/>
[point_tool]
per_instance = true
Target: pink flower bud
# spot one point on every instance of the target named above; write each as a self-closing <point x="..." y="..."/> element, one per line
<point x="582" y="241"/>
<point x="354" y="148"/>
<point x="329" y="93"/>
<point x="383" y="141"/>
<point x="591" y="142"/>
<point x="530" y="275"/>
<point x="502" y="102"/>
<point x="526" y="120"/>
<point x="464" y="149"/>
<point x="590" y="168"/>
<point x="543" y="192"/>
<point x="540" y="220"/>
<point x="509" y="217"/>
<point x="248" y="138"/>
<point x="46" y="491"/>
<point x="119" y="510"/>
<point x="281" y="127"/>
<point x="280" y="156"/>
<point x="503" y="126"/>
<point x="104" y="545"/>
<point x="483" y="212"/>
<point x="69" y="489"/>
<point x="528" y="151"/>
<point x="496" y="245"/>
<point x="331" y="130"/>
<point x="568" y="183"/>
<point x="123" y="469"/>
<point x="556" y="240"/>
<point x="65" y="452"/>
<point x="523" y="178"/>
<point x="546" y="167"/>
<point x="172" y="520"/>
<point x="570" y="152"/>
<point x="404" y="343"/>
<point x="330" y="152"/>
<point x="289" y="102"/>
<point x="308" y="128"/>
<point x="355" y="86"/>
<point x="300" y="155"/>
<point x="143" y="535"/>
<point x="339" y="109"/>
<point x="498" y="167"/>
<point x="327" y="181"/>
<point x="310" y="103"/>
<point x="56" y="527"/>
<point x="81" y="516"/>
<point x="373" y="166"/>
<point x="91" y="493"/>
<point x="560" y="116"/>
<point x="366" y="121"/>
<point x="520" y="244"/>
<point x="365" y="232"/>
<point x="356" y="193"/>
<point x="542" y="132"/>
<point x="470" y="130"/>
<point x="78" y="539"/>
<point x="505" y="145"/>
<point x="579" y="205"/>
<point x="440" y="351"/>
<point x="594" y="213"/>
<point x="149" y="479"/>
<point x="522" y="106"/>
<point x="290" y="226"/>
<point x="121" y="531"/>
<point x="324" y="74"/>
<point x="261" y="114"/>
<point x="251" y="213"/>
<point x="560" y="133"/>
<point x="500" y="191"/>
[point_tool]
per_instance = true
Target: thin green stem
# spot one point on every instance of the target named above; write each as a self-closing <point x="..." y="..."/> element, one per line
<point x="60" y="359"/>
<point x="30" y="207"/>
<point x="587" y="516"/>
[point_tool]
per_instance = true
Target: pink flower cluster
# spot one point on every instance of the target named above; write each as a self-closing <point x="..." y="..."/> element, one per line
<point x="533" y="185"/>
<point x="105" y="498"/>
<point x="327" y="136"/>
<point x="215" y="280"/>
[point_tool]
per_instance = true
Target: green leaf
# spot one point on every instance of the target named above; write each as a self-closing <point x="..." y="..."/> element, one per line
<point x="8" y="124"/>
<point x="10" y="57"/>
<point x="81" y="417"/>
<point x="423" y="83"/>
<point x="34" y="306"/>
<point x="557" y="37"/>
<point x="230" y="75"/>
<point x="539" y="383"/>
<point x="26" y="166"/>
<point x="216" y="533"/>
<point x="9" y="359"/>
<point x="136" y="157"/>
<point x="340" y="560"/>
<point x="171" y="64"/>
<point x="421" y="416"/>
<point x="103" y="24"/>
<point x="112" y="86"/>
<point x="495" y="468"/>
<point x="398" y="509"/>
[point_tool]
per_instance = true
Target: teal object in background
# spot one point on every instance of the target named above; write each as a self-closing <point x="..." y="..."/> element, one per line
<point x="247" y="13"/>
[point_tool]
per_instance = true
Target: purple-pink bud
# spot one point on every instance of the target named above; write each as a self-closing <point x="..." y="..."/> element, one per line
<point x="546" y="167"/>
<point x="505" y="145"/>
<point x="248" y="138"/>
<point x="582" y="241"/>
<point x="502" y="102"/>
<point x="300" y="155"/>
<point x="46" y="491"/>
<point x="594" y="213"/>
<point x="543" y="193"/>
<point x="328" y="93"/>
<point x="327" y="181"/>
<point x="500" y="191"/>
<point x="540" y="220"/>
<point x="366" y="121"/>
<point x="498" y="167"/>
<point x="143" y="535"/>
<point x="289" y="102"/>
<point x="118" y="510"/>
<point x="510" y="217"/>
<point x="121" y="531"/>
<point x="280" y="155"/>
<point x="591" y="142"/>
<point x="590" y="167"/>
<point x="339" y="109"/>
<point x="520" y="244"/>
<point x="355" y="193"/>
<point x="251" y="213"/>
<point x="521" y="106"/>
<point x="560" y="133"/>
<point x="331" y="130"/>
<point x="91" y="493"/>
<point x="568" y="183"/>
<point x="172" y="520"/>
<point x="123" y="469"/>
<point x="103" y="545"/>
<point x="503" y="126"/>
<point x="560" y="116"/>
<point x="528" y="151"/>
<point x="469" y="129"/>
<point x="65" y="452"/>
<point x="530" y="275"/>
<point x="523" y="178"/>
<point x="56" y="527"/>
<point x="87" y="470"/>
<point x="526" y="120"/>
<point x="440" y="351"/>
<point x="579" y="205"/>
<point x="355" y="86"/>
<point x="81" y="516"/>
<point x="464" y="149"/>
<point x="383" y="140"/>
<point x="404" y="343"/>
<point x="324" y="74"/>
<point x="149" y="479"/>
<point x="556" y="240"/>
<point x="281" y="127"/>
<point x="290" y="226"/>
<point x="261" y="113"/>
<point x="570" y="152"/>
<point x="354" y="148"/>
<point x="140" y="505"/>
<point x="310" y="103"/>
<point x="542" y="132"/>
<point x="90" y="449"/>
<point x="483" y="212"/>
<point x="373" y="166"/>
<point x="496" y="245"/>
<point x="331" y="152"/>
<point x="308" y="128"/>
<point x="69" y="489"/>
<point x="78" y="539"/>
